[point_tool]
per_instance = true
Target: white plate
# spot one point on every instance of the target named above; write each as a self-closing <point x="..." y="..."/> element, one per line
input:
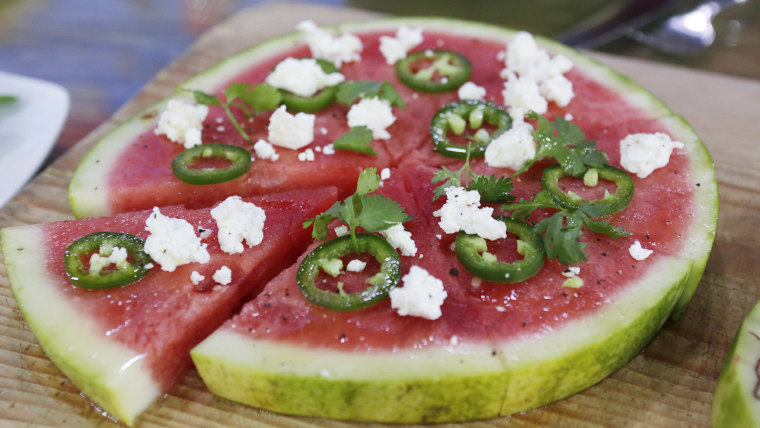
<point x="28" y="128"/>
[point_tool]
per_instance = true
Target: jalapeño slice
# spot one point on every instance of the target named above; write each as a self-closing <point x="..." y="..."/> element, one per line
<point x="104" y="243"/>
<point x="472" y="252"/>
<point x="379" y="284"/>
<point x="455" y="117"/>
<point x="610" y="203"/>
<point x="239" y="158"/>
<point x="419" y="70"/>
<point x="319" y="101"/>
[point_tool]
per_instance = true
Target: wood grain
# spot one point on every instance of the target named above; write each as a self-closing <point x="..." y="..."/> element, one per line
<point x="669" y="384"/>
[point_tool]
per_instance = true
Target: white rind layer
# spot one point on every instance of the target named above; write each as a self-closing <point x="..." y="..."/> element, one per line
<point x="108" y="372"/>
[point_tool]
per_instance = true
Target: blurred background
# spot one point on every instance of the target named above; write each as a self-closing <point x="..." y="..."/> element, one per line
<point x="103" y="52"/>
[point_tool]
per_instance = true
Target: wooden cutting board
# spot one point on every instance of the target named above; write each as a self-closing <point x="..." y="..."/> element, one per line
<point x="669" y="384"/>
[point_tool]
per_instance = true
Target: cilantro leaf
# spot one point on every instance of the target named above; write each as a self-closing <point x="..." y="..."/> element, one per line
<point x="562" y="241"/>
<point x="493" y="189"/>
<point x="567" y="144"/>
<point x="350" y="90"/>
<point x="367" y="182"/>
<point x="379" y="213"/>
<point x="263" y="97"/>
<point x="372" y="212"/>
<point x="604" y="226"/>
<point x="524" y="208"/>
<point x="450" y="179"/>
<point x="357" y="139"/>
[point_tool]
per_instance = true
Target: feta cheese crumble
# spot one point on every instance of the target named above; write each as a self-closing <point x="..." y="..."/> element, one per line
<point x="196" y="277"/>
<point x="471" y="91"/>
<point x="400" y="239"/>
<point x="638" y="252"/>
<point x="541" y="77"/>
<point x="385" y="173"/>
<point x="356" y="265"/>
<point x="642" y="153"/>
<point x="223" y="275"/>
<point x="302" y="76"/>
<point x="513" y="148"/>
<point x="462" y="212"/>
<point x="396" y="48"/>
<point x="237" y="221"/>
<point x="182" y="122"/>
<point x="328" y="149"/>
<point x="422" y="295"/>
<point x="264" y="150"/>
<point x="341" y="230"/>
<point x="172" y="242"/>
<point x="306" y="155"/>
<point x="375" y="114"/>
<point x="291" y="131"/>
<point x="323" y="45"/>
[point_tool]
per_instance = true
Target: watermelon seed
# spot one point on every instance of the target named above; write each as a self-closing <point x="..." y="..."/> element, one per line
<point x="453" y="272"/>
<point x="524" y="323"/>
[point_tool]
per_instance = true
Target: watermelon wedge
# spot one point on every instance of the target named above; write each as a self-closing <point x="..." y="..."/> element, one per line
<point x="736" y="402"/>
<point x="125" y="347"/>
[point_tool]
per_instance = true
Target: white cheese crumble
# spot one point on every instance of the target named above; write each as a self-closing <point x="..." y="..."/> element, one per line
<point x="513" y="148"/>
<point x="375" y="114"/>
<point x="291" y="131"/>
<point x="341" y="230"/>
<point x="223" y="275"/>
<point x="182" y="122"/>
<point x="422" y="295"/>
<point x="572" y="271"/>
<point x="638" y="252"/>
<point x="642" y="153"/>
<point x="522" y="94"/>
<point x="400" y="239"/>
<point x="395" y="48"/>
<point x="568" y="117"/>
<point x="471" y="91"/>
<point x="117" y="257"/>
<point x="356" y="265"/>
<point x="302" y="76"/>
<point x="462" y="212"/>
<point x="323" y="45"/>
<point x="385" y="173"/>
<point x="196" y="277"/>
<point x="306" y="155"/>
<point x="328" y="149"/>
<point x="264" y="150"/>
<point x="524" y="58"/>
<point x="172" y="242"/>
<point x="237" y="221"/>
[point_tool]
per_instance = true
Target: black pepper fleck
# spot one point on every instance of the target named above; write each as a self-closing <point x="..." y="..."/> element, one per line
<point x="453" y="272"/>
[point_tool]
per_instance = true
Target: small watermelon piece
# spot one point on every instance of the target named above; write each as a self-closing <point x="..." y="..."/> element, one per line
<point x="125" y="347"/>
<point x="737" y="394"/>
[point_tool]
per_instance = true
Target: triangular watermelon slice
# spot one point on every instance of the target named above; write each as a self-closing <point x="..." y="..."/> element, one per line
<point x="125" y="347"/>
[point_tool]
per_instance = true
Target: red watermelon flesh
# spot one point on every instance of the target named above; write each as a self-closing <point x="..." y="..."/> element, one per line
<point x="281" y="313"/>
<point x="541" y="302"/>
<point x="151" y="155"/>
<point x="164" y="314"/>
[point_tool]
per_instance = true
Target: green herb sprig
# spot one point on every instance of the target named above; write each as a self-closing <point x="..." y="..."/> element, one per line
<point x="491" y="188"/>
<point x="372" y="212"/>
<point x="252" y="100"/>
<point x="566" y="143"/>
<point x="562" y="231"/>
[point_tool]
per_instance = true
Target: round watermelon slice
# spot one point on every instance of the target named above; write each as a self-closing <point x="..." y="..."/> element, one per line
<point x="737" y="395"/>
<point x="496" y="349"/>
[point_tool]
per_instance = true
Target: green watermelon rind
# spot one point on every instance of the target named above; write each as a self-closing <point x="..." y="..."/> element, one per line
<point x="444" y="383"/>
<point x="734" y="403"/>
<point x="110" y="374"/>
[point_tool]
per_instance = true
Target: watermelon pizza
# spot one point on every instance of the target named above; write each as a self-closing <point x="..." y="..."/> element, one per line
<point x="460" y="221"/>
